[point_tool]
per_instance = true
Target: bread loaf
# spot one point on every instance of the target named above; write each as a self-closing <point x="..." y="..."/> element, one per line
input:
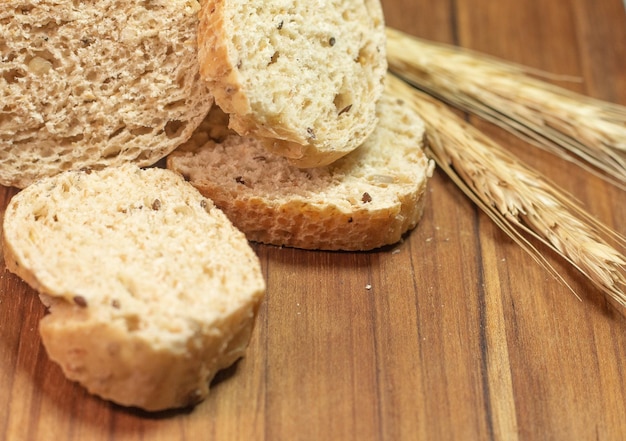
<point x="95" y="83"/>
<point x="303" y="76"/>
<point x="150" y="289"/>
<point x="367" y="199"/>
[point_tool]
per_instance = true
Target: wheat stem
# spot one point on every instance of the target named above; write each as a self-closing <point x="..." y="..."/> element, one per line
<point x="583" y="130"/>
<point x="517" y="198"/>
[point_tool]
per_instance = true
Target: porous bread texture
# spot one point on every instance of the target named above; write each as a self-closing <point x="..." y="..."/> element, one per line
<point x="150" y="288"/>
<point x="365" y="200"/>
<point x="95" y="83"/>
<point x="305" y="76"/>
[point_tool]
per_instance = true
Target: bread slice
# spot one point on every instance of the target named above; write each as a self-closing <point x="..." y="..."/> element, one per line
<point x="367" y="199"/>
<point x="304" y="75"/>
<point x="95" y="83"/>
<point x="151" y="290"/>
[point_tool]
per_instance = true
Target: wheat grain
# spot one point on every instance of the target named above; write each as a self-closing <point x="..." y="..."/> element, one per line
<point x="518" y="199"/>
<point x="586" y="131"/>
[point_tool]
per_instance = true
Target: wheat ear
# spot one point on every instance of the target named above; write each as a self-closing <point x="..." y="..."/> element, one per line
<point x="518" y="199"/>
<point x="586" y="131"/>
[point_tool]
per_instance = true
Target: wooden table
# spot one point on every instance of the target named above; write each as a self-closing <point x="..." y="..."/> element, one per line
<point x="454" y="334"/>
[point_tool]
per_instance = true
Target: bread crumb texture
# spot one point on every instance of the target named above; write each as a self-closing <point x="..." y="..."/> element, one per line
<point x="95" y="83"/>
<point x="150" y="288"/>
<point x="367" y="199"/>
<point x="306" y="75"/>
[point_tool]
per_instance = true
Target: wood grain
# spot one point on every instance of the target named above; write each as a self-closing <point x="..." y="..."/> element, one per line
<point x="454" y="334"/>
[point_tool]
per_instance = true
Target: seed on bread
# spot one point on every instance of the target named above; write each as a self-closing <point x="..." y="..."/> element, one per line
<point x="345" y="109"/>
<point x="206" y="206"/>
<point x="39" y="65"/>
<point x="80" y="301"/>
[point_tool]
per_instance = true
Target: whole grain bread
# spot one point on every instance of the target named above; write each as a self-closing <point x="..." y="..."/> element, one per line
<point x="303" y="76"/>
<point x="150" y="289"/>
<point x="95" y="83"/>
<point x="367" y="199"/>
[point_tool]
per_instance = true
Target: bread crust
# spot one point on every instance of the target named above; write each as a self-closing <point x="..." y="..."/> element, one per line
<point x="150" y="289"/>
<point x="307" y="78"/>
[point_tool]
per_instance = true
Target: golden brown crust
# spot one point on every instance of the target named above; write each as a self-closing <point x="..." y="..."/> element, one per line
<point x="294" y="224"/>
<point x="129" y="369"/>
<point x="214" y="60"/>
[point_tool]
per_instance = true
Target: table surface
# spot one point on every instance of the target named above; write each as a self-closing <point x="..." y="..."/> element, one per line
<point x="461" y="335"/>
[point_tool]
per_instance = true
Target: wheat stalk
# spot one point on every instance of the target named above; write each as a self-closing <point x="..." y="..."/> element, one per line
<point x="518" y="199"/>
<point x="583" y="130"/>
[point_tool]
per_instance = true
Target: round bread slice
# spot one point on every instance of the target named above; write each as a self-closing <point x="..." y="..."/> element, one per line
<point x="151" y="290"/>
<point x="365" y="200"/>
<point x="305" y="76"/>
<point x="96" y="83"/>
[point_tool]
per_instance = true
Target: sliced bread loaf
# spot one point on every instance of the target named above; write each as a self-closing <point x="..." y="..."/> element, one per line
<point x="305" y="76"/>
<point x="95" y="83"/>
<point x="150" y="288"/>
<point x="367" y="199"/>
